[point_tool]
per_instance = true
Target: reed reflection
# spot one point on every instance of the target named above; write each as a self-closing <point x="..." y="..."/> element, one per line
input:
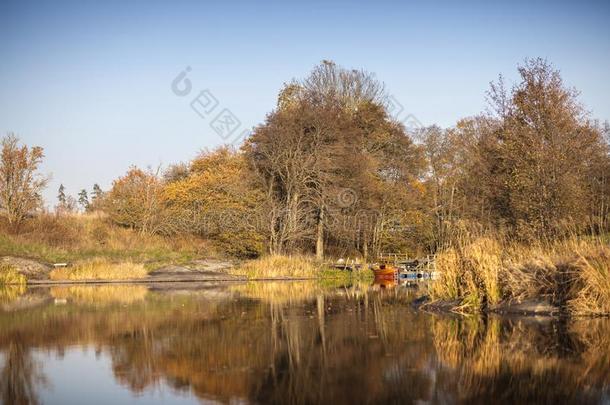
<point x="304" y="343"/>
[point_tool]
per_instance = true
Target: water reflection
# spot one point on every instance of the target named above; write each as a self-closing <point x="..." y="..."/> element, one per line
<point x="292" y="343"/>
<point x="20" y="375"/>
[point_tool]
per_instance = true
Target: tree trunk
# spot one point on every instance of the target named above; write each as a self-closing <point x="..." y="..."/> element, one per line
<point x="320" y="238"/>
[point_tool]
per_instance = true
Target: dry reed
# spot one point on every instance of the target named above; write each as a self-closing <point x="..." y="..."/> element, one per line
<point x="276" y="266"/>
<point x="481" y="273"/>
<point x="100" y="269"/>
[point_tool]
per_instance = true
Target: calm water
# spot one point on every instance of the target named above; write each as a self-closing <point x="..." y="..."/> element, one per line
<point x="284" y="343"/>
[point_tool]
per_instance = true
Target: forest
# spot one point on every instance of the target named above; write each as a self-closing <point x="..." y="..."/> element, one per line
<point x="330" y="172"/>
<point x="513" y="202"/>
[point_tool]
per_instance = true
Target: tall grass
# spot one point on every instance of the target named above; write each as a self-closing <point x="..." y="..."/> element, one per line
<point x="276" y="266"/>
<point x="470" y="273"/>
<point x="59" y="238"/>
<point x="590" y="290"/>
<point x="10" y="276"/>
<point x="481" y="273"/>
<point x="100" y="269"/>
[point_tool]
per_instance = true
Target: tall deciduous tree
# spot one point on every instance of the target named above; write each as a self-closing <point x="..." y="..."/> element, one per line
<point x="214" y="198"/>
<point x="135" y="200"/>
<point x="545" y="146"/>
<point x="327" y="152"/>
<point x="534" y="166"/>
<point x="20" y="183"/>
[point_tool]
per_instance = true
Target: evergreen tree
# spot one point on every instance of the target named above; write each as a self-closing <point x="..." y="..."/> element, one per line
<point x="83" y="199"/>
<point x="61" y="196"/>
<point x="97" y="192"/>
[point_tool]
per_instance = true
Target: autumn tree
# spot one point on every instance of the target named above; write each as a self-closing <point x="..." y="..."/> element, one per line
<point x="135" y="201"/>
<point x="20" y="183"/>
<point x="532" y="167"/>
<point x="330" y="137"/>
<point x="213" y="197"/>
<point x="545" y="145"/>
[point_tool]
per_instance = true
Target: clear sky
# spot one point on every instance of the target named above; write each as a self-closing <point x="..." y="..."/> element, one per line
<point x="90" y="81"/>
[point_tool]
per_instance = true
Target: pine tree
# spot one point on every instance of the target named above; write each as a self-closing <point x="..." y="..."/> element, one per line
<point x="61" y="196"/>
<point x="83" y="199"/>
<point x="97" y="192"/>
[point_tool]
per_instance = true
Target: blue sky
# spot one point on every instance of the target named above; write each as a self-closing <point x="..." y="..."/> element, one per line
<point x="91" y="81"/>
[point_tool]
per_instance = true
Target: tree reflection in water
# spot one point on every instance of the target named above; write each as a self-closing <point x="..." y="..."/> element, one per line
<point x="19" y="376"/>
<point x="303" y="343"/>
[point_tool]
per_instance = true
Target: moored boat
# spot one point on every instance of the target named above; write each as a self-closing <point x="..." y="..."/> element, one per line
<point x="385" y="271"/>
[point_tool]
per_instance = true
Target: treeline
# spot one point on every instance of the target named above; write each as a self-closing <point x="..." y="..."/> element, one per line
<point x="330" y="171"/>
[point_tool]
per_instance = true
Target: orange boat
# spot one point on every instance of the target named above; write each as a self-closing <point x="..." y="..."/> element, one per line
<point x="385" y="271"/>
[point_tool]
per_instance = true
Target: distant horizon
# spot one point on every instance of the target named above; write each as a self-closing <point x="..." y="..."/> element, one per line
<point x="92" y="83"/>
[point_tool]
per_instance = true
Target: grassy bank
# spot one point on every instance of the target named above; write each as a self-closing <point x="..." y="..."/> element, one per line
<point x="277" y="266"/>
<point x="100" y="269"/>
<point x="484" y="273"/>
<point x="80" y="237"/>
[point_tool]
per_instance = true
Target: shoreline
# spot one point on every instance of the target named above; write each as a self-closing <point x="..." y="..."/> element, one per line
<point x="171" y="280"/>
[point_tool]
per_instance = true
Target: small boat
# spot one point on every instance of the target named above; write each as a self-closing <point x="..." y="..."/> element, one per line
<point x="385" y="271"/>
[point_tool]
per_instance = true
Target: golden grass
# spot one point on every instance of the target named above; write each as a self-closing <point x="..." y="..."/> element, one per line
<point x="10" y="276"/>
<point x="469" y="273"/>
<point x="590" y="291"/>
<point x="101" y="295"/>
<point x="100" y="269"/>
<point x="449" y="285"/>
<point x="276" y="266"/>
<point x="482" y="272"/>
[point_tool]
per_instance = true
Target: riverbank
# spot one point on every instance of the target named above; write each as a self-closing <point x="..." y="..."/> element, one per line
<point x="569" y="277"/>
<point x="103" y="271"/>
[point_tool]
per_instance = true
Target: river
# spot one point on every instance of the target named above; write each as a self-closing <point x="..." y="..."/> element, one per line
<point x="285" y="343"/>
